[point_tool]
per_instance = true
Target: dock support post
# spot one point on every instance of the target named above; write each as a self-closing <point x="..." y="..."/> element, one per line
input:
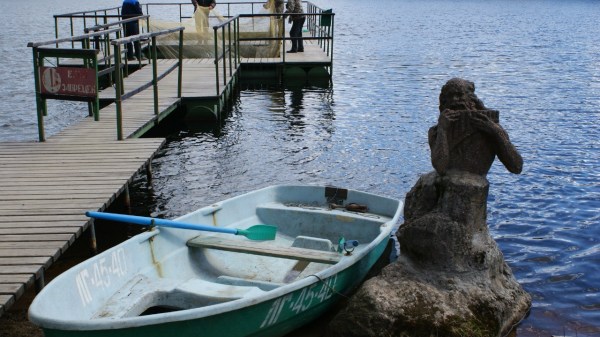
<point x="40" y="282"/>
<point x="93" y="242"/>
<point x="149" y="172"/>
<point x="127" y="199"/>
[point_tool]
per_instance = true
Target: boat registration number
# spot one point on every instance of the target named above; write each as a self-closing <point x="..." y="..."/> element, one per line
<point x="300" y="301"/>
<point x="100" y="274"/>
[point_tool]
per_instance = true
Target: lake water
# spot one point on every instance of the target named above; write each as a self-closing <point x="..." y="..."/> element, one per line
<point x="537" y="62"/>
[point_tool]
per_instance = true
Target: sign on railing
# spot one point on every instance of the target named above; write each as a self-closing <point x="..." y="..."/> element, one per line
<point x="78" y="82"/>
<point x="68" y="83"/>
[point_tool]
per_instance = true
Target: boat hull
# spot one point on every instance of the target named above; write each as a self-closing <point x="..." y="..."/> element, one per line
<point x="272" y="318"/>
<point x="159" y="267"/>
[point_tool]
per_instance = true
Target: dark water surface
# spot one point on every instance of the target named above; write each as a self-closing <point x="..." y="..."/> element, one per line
<point x="537" y="62"/>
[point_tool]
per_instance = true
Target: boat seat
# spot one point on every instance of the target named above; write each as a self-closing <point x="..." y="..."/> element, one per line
<point x="265" y="248"/>
<point x="237" y="281"/>
<point x="310" y="242"/>
<point x="143" y="292"/>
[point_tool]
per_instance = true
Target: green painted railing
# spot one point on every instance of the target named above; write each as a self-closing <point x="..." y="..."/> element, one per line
<point x="228" y="57"/>
<point x="89" y="57"/>
<point x="320" y="22"/>
<point x="106" y="47"/>
<point x="89" y="60"/>
<point x="120" y="94"/>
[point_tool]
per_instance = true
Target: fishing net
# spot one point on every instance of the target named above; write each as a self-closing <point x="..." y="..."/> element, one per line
<point x="199" y="37"/>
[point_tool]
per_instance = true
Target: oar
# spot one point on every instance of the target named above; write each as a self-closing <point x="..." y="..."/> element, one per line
<point x="257" y="232"/>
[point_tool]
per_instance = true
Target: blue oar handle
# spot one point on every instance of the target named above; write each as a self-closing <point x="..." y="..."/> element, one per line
<point x="148" y="221"/>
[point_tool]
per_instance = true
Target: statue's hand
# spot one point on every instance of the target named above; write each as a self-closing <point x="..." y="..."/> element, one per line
<point x="484" y="123"/>
<point x="447" y="117"/>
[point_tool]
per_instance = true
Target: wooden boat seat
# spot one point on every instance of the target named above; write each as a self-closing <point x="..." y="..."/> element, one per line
<point x="265" y="249"/>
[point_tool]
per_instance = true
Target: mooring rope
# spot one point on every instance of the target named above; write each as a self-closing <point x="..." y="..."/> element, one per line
<point x="328" y="286"/>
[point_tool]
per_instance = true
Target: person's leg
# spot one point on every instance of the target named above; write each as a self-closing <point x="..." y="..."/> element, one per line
<point x="294" y="35"/>
<point x="129" y="46"/>
<point x="300" y="43"/>
<point x="132" y="28"/>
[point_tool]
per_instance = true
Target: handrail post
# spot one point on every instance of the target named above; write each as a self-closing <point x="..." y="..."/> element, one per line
<point x="180" y="70"/>
<point x="154" y="75"/>
<point x="118" y="84"/>
<point x="237" y="41"/>
<point x="330" y="50"/>
<point x="96" y="103"/>
<point x="72" y="32"/>
<point x="56" y="29"/>
<point x="39" y="102"/>
<point x="229" y="48"/>
<point x="85" y="44"/>
<point x="224" y="61"/>
<point x="216" y="58"/>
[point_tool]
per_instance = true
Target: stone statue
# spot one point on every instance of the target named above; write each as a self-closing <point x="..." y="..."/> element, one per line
<point x="468" y="136"/>
<point x="450" y="278"/>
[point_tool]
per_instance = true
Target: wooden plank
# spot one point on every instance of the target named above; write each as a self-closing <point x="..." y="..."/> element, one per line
<point x="32" y="227"/>
<point x="14" y="211"/>
<point x="16" y="289"/>
<point x="24" y="269"/>
<point x="50" y="252"/>
<point x="80" y="217"/>
<point x="59" y="245"/>
<point x="76" y="230"/>
<point x="265" y="249"/>
<point x="26" y="279"/>
<point x="21" y="262"/>
<point x="37" y="237"/>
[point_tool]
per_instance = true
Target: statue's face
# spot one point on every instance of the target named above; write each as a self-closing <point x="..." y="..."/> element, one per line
<point x="455" y="98"/>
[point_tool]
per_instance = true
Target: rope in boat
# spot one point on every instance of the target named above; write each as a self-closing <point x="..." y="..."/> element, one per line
<point x="328" y="286"/>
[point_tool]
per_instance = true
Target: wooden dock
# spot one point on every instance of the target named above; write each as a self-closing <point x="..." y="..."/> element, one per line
<point x="48" y="186"/>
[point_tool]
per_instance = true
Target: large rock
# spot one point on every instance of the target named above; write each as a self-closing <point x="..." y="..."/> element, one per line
<point x="450" y="279"/>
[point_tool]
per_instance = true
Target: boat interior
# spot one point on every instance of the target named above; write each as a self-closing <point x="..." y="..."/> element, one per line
<point x="221" y="268"/>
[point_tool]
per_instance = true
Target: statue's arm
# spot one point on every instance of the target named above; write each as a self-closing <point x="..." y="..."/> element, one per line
<point x="505" y="150"/>
<point x="438" y="141"/>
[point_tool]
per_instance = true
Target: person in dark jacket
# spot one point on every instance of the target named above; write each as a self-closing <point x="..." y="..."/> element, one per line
<point x="297" y="21"/>
<point x="204" y="3"/>
<point x="130" y="9"/>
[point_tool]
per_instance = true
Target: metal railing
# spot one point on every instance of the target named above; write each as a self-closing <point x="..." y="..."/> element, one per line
<point x="120" y="94"/>
<point x="89" y="58"/>
<point x="106" y="47"/>
<point x="229" y="55"/>
<point x="319" y="23"/>
<point x="79" y="21"/>
<point x="319" y="32"/>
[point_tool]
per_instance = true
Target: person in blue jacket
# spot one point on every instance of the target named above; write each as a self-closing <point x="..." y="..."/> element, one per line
<point x="130" y="9"/>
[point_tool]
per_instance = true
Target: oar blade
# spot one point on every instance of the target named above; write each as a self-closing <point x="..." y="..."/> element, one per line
<point x="259" y="232"/>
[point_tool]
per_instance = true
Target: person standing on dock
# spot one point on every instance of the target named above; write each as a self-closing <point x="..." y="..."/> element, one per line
<point x="131" y="9"/>
<point x="201" y="11"/>
<point x="297" y="21"/>
<point x="204" y="3"/>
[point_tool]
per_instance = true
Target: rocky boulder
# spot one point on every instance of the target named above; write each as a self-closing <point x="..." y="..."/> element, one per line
<point x="450" y="278"/>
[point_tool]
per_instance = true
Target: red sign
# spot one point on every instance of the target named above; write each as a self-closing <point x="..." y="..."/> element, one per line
<point x="68" y="81"/>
